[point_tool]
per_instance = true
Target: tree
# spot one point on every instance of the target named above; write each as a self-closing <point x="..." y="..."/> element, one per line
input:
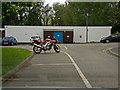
<point x="59" y="13"/>
<point x="68" y="14"/>
<point x="45" y="14"/>
<point x="9" y="14"/>
<point x="51" y="18"/>
<point x="33" y="16"/>
<point x="116" y="20"/>
<point x="21" y="13"/>
<point x="74" y="13"/>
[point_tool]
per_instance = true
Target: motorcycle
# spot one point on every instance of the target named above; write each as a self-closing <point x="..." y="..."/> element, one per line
<point x="38" y="46"/>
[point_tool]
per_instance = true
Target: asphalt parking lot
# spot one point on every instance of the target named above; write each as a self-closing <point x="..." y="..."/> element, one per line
<point x="77" y="66"/>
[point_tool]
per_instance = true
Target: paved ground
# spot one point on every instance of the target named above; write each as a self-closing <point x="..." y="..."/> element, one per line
<point x="79" y="65"/>
<point x="25" y="46"/>
<point x="115" y="50"/>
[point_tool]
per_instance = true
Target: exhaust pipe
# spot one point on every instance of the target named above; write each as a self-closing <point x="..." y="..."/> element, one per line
<point x="37" y="45"/>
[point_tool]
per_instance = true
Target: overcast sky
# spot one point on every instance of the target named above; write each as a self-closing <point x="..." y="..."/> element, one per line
<point x="50" y="2"/>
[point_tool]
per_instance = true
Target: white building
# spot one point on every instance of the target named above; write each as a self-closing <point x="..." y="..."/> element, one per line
<point x="64" y="34"/>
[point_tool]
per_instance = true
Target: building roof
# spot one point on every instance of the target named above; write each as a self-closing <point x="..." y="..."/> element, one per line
<point x="59" y="27"/>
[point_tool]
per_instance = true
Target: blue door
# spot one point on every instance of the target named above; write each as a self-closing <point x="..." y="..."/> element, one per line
<point x="59" y="36"/>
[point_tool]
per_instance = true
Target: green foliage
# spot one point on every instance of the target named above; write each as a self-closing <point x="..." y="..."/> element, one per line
<point x="59" y="14"/>
<point x="34" y="15"/>
<point x="74" y="13"/>
<point x="68" y="14"/>
<point x="8" y="13"/>
<point x="11" y="57"/>
<point x="21" y="13"/>
<point x="116" y="20"/>
<point x="45" y="15"/>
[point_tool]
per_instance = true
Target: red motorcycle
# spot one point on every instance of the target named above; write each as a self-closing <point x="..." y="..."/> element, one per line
<point x="46" y="45"/>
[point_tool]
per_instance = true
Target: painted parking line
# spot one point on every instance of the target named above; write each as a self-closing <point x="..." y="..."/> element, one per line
<point x="105" y="50"/>
<point x="86" y="82"/>
<point x="52" y="64"/>
<point x="65" y="47"/>
<point x="111" y="52"/>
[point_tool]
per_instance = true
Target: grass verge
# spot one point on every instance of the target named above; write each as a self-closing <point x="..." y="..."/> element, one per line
<point x="11" y="57"/>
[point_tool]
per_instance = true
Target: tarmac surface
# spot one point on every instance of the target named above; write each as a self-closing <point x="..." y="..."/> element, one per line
<point x="116" y="50"/>
<point x="76" y="66"/>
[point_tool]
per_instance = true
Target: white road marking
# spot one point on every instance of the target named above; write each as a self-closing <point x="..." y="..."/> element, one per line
<point x="44" y="87"/>
<point x="65" y="47"/>
<point x="88" y="85"/>
<point x="52" y="64"/>
<point x="105" y="51"/>
<point x="13" y="79"/>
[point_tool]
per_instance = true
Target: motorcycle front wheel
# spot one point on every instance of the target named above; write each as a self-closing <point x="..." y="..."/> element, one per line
<point x="57" y="48"/>
<point x="37" y="50"/>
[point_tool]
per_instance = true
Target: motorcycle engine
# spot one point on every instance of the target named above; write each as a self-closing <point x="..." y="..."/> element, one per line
<point x="47" y="46"/>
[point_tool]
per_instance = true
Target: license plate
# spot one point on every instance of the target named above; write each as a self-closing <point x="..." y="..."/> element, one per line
<point x="5" y="42"/>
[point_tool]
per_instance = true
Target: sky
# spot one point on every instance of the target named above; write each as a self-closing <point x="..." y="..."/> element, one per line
<point x="50" y="2"/>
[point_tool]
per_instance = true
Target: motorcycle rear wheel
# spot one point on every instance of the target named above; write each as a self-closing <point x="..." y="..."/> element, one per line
<point x="37" y="50"/>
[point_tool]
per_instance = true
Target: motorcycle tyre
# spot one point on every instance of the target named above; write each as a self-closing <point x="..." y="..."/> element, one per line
<point x="35" y="51"/>
<point x="56" y="49"/>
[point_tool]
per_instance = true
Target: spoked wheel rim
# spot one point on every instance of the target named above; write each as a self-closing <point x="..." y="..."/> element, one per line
<point x="37" y="50"/>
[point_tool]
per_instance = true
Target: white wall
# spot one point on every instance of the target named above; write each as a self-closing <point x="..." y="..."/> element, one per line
<point x="96" y="33"/>
<point x="2" y="29"/>
<point x="77" y="33"/>
<point x="23" y="33"/>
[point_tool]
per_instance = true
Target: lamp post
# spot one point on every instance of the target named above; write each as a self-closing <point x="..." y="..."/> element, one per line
<point x="86" y="27"/>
